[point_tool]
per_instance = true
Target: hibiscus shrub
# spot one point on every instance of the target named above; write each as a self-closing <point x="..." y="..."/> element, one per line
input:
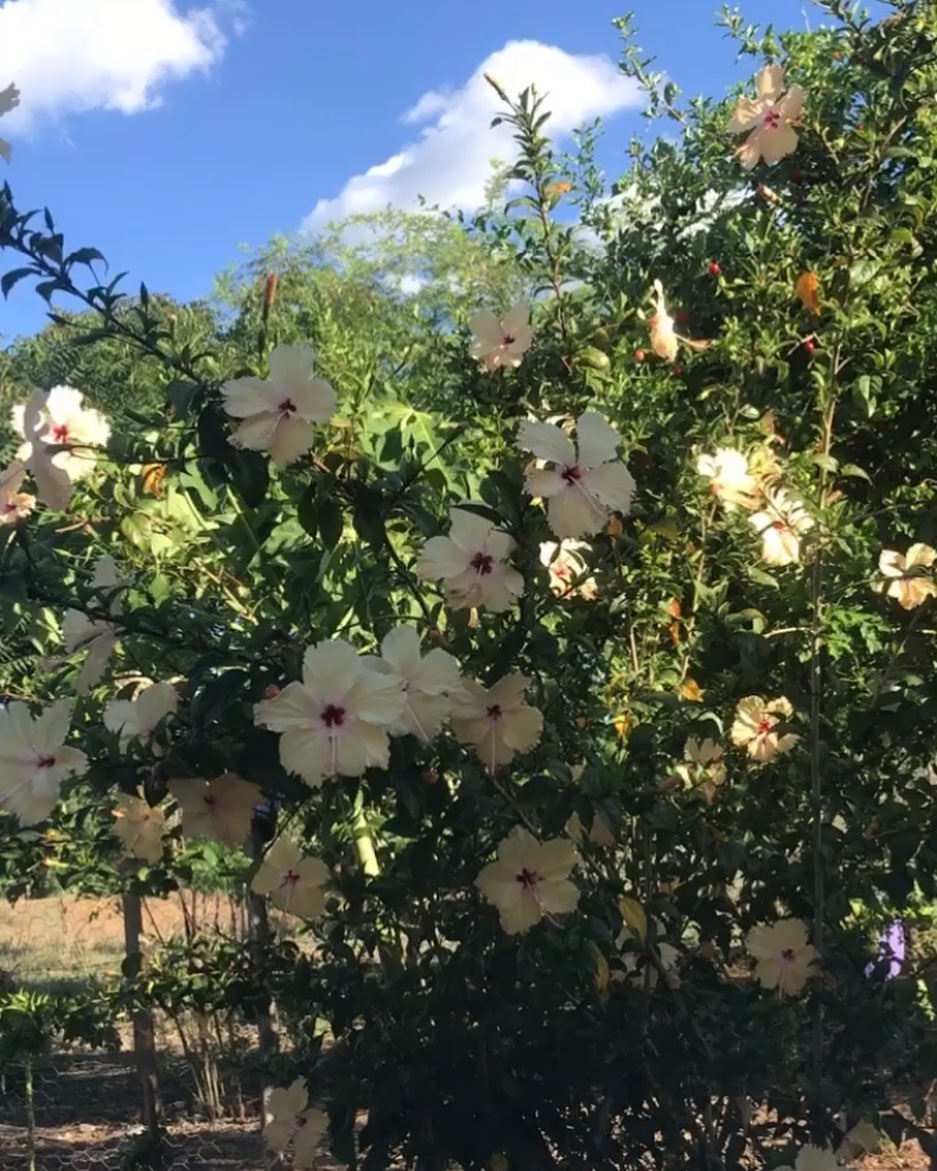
<point x="595" y="710"/>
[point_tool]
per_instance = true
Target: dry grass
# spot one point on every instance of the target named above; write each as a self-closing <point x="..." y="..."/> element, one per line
<point x="47" y="942"/>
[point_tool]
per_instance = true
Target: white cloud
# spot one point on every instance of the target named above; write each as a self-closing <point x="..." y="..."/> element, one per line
<point x="449" y="164"/>
<point x="70" y="56"/>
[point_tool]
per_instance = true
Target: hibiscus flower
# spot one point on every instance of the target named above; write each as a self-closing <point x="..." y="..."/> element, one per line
<point x="781" y="524"/>
<point x="288" y="1118"/>
<point x="471" y="562"/>
<point x="34" y="760"/>
<point x="530" y="880"/>
<point x="905" y="575"/>
<point x="768" y="119"/>
<point x="756" y="727"/>
<point x="336" y="721"/>
<point x="294" y="881"/>
<point x="498" y="721"/>
<point x="278" y="413"/>
<point x="427" y="682"/>
<point x="498" y="343"/>
<point x="783" y="955"/>
<point x="139" y="826"/>
<point x="584" y="486"/>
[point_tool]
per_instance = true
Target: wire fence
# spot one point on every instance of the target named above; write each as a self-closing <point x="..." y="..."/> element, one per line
<point x="71" y="1109"/>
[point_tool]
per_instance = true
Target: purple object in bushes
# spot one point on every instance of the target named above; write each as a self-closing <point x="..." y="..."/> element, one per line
<point x="891" y="952"/>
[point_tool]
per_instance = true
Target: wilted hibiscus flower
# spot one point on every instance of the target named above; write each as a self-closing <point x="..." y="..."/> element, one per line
<point x="530" y="880"/>
<point x="769" y="119"/>
<point x="662" y="330"/>
<point x="471" y="562"/>
<point x="504" y="342"/>
<point x="278" y="413"/>
<point x="905" y="575"/>
<point x="729" y="478"/>
<point x="583" y="487"/>
<point x="14" y="504"/>
<point x="781" y="524"/>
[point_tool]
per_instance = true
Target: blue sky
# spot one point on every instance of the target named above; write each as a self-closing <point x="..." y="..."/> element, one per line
<point x="167" y="135"/>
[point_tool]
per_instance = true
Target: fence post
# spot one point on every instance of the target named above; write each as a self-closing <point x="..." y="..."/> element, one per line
<point x="144" y="1036"/>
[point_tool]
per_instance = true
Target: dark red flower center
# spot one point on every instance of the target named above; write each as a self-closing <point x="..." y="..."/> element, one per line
<point x="333" y="716"/>
<point x="45" y="762"/>
<point x="781" y="526"/>
<point x="772" y="119"/>
<point x="527" y="878"/>
<point x="509" y="339"/>
<point x="765" y="724"/>
<point x="571" y="475"/>
<point x="787" y="954"/>
<point x="290" y="878"/>
<point x="494" y="712"/>
<point x="482" y="563"/>
<point x="60" y="432"/>
<point x="287" y="407"/>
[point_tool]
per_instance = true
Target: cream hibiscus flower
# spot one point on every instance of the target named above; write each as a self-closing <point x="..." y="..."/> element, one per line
<point x="905" y="575"/>
<point x="758" y="727"/>
<point x="336" y="721"/>
<point x="569" y="572"/>
<point x="140" y="827"/>
<point x="503" y="342"/>
<point x="53" y="487"/>
<point x="96" y="636"/>
<point x="14" y="504"/>
<point x="34" y="760"/>
<point x="783" y="955"/>
<point x="427" y="682"/>
<point x="662" y="330"/>
<point x="702" y="766"/>
<point x="294" y="881"/>
<point x="768" y="119"/>
<point x="220" y="809"/>
<point x="530" y="880"/>
<point x="781" y="524"/>
<point x="471" y="562"/>
<point x="288" y="1119"/>
<point x="278" y="413"/>
<point x="58" y="420"/>
<point x="729" y="478"/>
<point x="583" y="487"/>
<point x="498" y="721"/>
<point x="138" y="718"/>
<point x="9" y="100"/>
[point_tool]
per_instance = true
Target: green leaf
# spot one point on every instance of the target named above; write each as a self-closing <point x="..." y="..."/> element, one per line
<point x="307" y="510"/>
<point x="331" y="523"/>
